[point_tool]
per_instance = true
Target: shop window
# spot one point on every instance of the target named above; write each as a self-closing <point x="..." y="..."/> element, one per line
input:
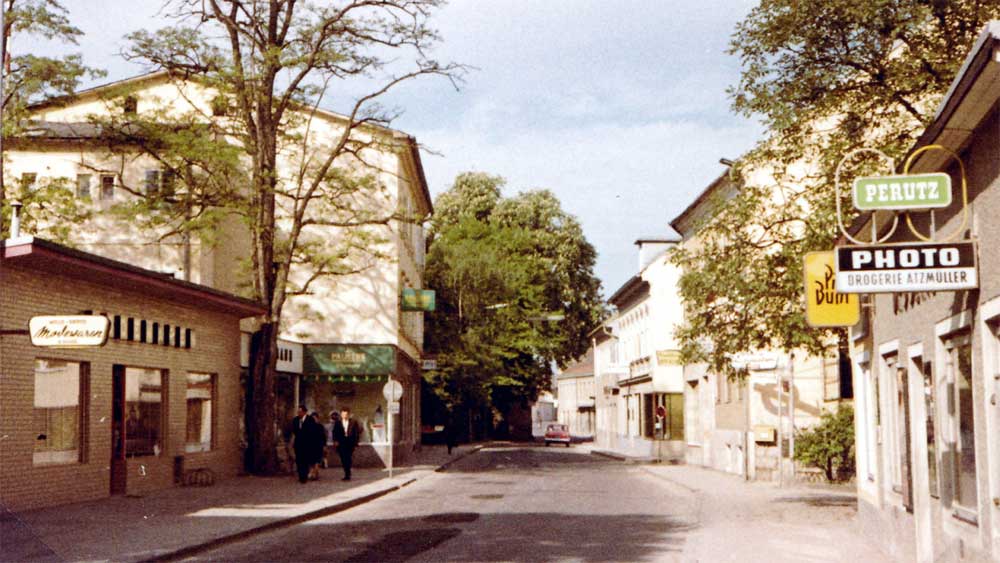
<point x="929" y="404"/>
<point x="144" y="411"/>
<point x="200" y="396"/>
<point x="83" y="186"/>
<point x="671" y="425"/>
<point x="959" y="368"/>
<point x="58" y="415"/>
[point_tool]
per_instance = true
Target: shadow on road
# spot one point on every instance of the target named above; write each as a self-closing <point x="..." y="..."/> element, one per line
<point x="465" y="536"/>
<point x="822" y="500"/>
<point x="524" y="460"/>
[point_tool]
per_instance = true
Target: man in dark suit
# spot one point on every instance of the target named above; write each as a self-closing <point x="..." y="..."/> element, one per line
<point x="346" y="434"/>
<point x="304" y="432"/>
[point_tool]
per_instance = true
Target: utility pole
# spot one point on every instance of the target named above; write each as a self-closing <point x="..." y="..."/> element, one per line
<point x="781" y="432"/>
<point x="791" y="411"/>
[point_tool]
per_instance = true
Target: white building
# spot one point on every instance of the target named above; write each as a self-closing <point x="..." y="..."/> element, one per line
<point x="575" y="393"/>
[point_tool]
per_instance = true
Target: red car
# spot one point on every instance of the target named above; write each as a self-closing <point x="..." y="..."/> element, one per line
<point x="558" y="433"/>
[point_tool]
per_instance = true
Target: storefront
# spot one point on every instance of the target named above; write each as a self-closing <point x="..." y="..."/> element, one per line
<point x="335" y="376"/>
<point x="156" y="402"/>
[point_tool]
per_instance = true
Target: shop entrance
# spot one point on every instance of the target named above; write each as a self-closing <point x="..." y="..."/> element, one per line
<point x="118" y="468"/>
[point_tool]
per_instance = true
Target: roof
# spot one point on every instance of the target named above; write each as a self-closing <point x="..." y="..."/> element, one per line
<point x="583" y="367"/>
<point x="77" y="131"/>
<point x="654" y="239"/>
<point x="43" y="255"/>
<point x="702" y="197"/>
<point x="967" y="101"/>
<point x="629" y="291"/>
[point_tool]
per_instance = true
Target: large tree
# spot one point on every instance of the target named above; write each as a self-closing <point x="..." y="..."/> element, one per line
<point x="516" y="292"/>
<point x="27" y="77"/>
<point x="273" y="64"/>
<point x="826" y="77"/>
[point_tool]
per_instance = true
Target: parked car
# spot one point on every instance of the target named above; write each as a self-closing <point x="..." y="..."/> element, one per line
<point x="557" y="433"/>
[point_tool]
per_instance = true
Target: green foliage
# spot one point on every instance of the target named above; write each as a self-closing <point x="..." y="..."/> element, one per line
<point x="830" y="444"/>
<point x="826" y="77"/>
<point x="499" y="266"/>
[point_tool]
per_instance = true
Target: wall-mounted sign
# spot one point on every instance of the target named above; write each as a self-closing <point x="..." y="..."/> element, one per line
<point x="349" y="362"/>
<point x="69" y="331"/>
<point x="755" y="361"/>
<point x="418" y="299"/>
<point x="825" y="306"/>
<point x="895" y="268"/>
<point x="915" y="191"/>
<point x="668" y="357"/>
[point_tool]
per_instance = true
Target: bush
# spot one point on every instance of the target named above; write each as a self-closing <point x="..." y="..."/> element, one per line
<point x="830" y="444"/>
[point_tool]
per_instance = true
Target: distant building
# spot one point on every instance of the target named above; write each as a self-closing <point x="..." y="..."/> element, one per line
<point x="576" y="397"/>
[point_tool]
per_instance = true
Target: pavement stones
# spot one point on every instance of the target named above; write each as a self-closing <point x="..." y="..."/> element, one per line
<point x="177" y="522"/>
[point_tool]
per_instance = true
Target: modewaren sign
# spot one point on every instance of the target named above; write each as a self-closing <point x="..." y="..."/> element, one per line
<point x="71" y="331"/>
<point x="916" y="191"/>
<point x="825" y="306"/>
<point x="896" y="268"/>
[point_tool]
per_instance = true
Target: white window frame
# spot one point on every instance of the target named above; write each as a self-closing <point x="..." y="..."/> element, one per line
<point x="888" y="354"/>
<point x="946" y="332"/>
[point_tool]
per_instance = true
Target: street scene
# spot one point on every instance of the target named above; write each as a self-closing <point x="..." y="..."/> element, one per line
<point x="429" y="280"/>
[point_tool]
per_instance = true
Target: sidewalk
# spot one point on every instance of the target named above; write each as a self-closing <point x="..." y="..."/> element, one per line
<point x="174" y="522"/>
<point x="760" y="521"/>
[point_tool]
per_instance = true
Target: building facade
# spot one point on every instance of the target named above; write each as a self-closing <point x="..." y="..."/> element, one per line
<point x="575" y="393"/>
<point x="158" y="401"/>
<point x="927" y="365"/>
<point x="350" y="324"/>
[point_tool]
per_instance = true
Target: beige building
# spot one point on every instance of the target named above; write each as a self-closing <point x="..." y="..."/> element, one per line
<point x="155" y="406"/>
<point x="638" y="377"/>
<point x="355" y="332"/>
<point x="737" y="426"/>
<point x="927" y="364"/>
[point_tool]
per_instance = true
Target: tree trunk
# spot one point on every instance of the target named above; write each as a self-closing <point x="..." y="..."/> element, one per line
<point x="260" y="415"/>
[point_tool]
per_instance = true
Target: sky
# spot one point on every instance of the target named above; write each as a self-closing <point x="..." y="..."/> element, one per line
<point x="617" y="106"/>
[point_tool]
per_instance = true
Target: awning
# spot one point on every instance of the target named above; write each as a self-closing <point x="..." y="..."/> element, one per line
<point x="356" y="363"/>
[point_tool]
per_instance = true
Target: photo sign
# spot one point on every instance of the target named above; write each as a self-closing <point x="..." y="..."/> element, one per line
<point x="69" y="331"/>
<point x="825" y="306"/>
<point x="901" y="268"/>
<point x="913" y="191"/>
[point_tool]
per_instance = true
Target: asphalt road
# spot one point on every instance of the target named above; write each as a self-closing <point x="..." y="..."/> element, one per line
<point x="505" y="504"/>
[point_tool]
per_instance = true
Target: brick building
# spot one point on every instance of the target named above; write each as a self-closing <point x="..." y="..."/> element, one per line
<point x="158" y="400"/>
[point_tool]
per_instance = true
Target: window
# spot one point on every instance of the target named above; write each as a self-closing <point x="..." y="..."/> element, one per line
<point x="57" y="418"/>
<point x="131" y="105"/>
<point x="869" y="403"/>
<point x="143" y="411"/>
<point x="199" y="395"/>
<point x="959" y="358"/>
<point x="29" y="181"/>
<point x="152" y="182"/>
<point x="220" y="106"/>
<point x="83" y="186"/>
<point x="159" y="182"/>
<point x="932" y="468"/>
<point x="892" y="424"/>
<point x="671" y="425"/>
<point x="107" y="187"/>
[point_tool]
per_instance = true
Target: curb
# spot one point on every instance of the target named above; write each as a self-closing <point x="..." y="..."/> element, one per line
<point x="625" y="458"/>
<point x="220" y="541"/>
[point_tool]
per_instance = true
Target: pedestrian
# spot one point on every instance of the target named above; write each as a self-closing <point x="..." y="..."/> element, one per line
<point x="346" y="435"/>
<point x="303" y="432"/>
<point x="317" y="441"/>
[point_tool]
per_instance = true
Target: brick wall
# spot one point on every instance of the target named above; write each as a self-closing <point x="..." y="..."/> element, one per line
<point x="215" y="349"/>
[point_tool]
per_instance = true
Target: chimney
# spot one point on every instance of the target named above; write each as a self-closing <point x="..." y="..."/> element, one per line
<point x="650" y="248"/>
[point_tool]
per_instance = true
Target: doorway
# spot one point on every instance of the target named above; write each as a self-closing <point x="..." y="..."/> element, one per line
<point x="118" y="467"/>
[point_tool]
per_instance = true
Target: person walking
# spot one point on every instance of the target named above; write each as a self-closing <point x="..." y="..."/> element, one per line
<point x="346" y="435"/>
<point x="317" y="441"/>
<point x="303" y="432"/>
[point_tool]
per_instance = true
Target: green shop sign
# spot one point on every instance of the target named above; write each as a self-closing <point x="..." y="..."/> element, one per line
<point x="418" y="299"/>
<point x="915" y="191"/>
<point x="361" y="363"/>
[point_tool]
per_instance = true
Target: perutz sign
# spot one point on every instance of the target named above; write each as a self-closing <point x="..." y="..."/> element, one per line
<point x="825" y="306"/>
<point x="914" y="191"/>
<point x="898" y="268"/>
<point x="72" y="331"/>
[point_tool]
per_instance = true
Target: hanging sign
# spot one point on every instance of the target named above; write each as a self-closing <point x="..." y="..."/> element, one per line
<point x="900" y="268"/>
<point x="912" y="191"/>
<point x="69" y="331"/>
<point x="825" y="306"/>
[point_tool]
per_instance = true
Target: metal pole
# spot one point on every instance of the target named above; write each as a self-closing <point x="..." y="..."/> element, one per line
<point x="388" y="428"/>
<point x="781" y="432"/>
<point x="791" y="412"/>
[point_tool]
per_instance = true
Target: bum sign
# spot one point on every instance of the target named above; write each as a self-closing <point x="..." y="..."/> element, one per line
<point x="915" y="191"/>
<point x="901" y="268"/>
<point x="825" y="306"/>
